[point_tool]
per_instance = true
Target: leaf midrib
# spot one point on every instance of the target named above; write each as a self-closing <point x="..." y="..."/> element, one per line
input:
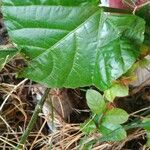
<point x="57" y="43"/>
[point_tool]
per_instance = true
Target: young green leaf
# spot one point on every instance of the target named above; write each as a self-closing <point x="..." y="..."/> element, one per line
<point x="85" y="144"/>
<point x="88" y="126"/>
<point x="146" y="126"/>
<point x="148" y="139"/>
<point x="117" y="90"/>
<point x="146" y="121"/>
<point x="112" y="132"/>
<point x="115" y="116"/>
<point x="73" y="43"/>
<point x="6" y="55"/>
<point x="95" y="101"/>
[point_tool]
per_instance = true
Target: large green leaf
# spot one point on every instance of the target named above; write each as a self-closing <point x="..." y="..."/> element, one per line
<point x="48" y="2"/>
<point x="73" y="43"/>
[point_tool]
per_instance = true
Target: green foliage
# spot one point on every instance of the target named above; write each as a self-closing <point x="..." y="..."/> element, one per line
<point x="74" y="46"/>
<point x="88" y="126"/>
<point x="147" y="128"/>
<point x="6" y="55"/>
<point x="146" y="120"/>
<point x="110" y="125"/>
<point x="95" y="101"/>
<point x="117" y="90"/>
<point x="115" y="116"/>
<point x="106" y="121"/>
<point x="85" y="145"/>
<point x="144" y="12"/>
<point x="48" y="2"/>
<point x="148" y="139"/>
<point x="112" y="132"/>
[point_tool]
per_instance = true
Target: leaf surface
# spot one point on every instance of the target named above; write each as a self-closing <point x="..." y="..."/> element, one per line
<point x="87" y="127"/>
<point x="115" y="116"/>
<point x="112" y="132"/>
<point x="146" y="121"/>
<point x="73" y="43"/>
<point x="144" y="12"/>
<point x="95" y="101"/>
<point x="117" y="90"/>
<point x="6" y="55"/>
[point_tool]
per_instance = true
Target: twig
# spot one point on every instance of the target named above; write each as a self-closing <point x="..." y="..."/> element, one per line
<point x="34" y="117"/>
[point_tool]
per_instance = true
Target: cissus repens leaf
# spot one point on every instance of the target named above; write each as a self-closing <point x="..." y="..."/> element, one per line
<point x="73" y="43"/>
<point x="115" y="116"/>
<point x="112" y="132"/>
<point x="117" y="90"/>
<point x="95" y="101"/>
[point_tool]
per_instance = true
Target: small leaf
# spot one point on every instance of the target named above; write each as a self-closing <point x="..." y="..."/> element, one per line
<point x="148" y="139"/>
<point x="88" y="126"/>
<point x="146" y="121"/>
<point x="6" y="55"/>
<point x="117" y="90"/>
<point x="115" y="116"/>
<point x="112" y="132"/>
<point x="95" y="101"/>
<point x="85" y="144"/>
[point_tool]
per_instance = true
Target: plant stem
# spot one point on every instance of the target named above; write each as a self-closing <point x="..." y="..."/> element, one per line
<point x="34" y="117"/>
<point x="116" y="10"/>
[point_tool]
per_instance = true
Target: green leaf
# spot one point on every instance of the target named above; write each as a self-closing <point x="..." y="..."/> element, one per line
<point x="146" y="121"/>
<point x="6" y="55"/>
<point x="148" y="139"/>
<point x="112" y="132"/>
<point x="73" y="43"/>
<point x="85" y="143"/>
<point x="144" y="12"/>
<point x="117" y="90"/>
<point x="88" y="126"/>
<point x="48" y="2"/>
<point x="95" y="101"/>
<point x="115" y="116"/>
